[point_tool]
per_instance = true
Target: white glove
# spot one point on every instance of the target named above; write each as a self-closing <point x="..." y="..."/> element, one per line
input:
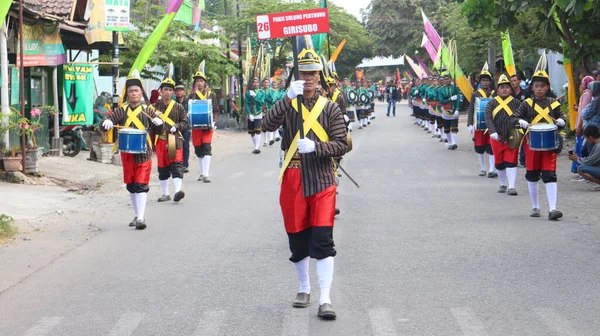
<point x="524" y="124"/>
<point x="417" y="92"/>
<point x="494" y="136"/>
<point x="454" y="98"/>
<point x="107" y="124"/>
<point x="173" y="129"/>
<point x="157" y="121"/>
<point x="306" y="146"/>
<point x="560" y="122"/>
<point x="252" y="93"/>
<point x="250" y="117"/>
<point x="471" y="130"/>
<point x="456" y="114"/>
<point x="346" y="119"/>
<point x="296" y="89"/>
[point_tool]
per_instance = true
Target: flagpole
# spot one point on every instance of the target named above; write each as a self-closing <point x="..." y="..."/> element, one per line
<point x="300" y="98"/>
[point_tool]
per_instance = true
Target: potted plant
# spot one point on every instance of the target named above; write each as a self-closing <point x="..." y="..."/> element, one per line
<point x="11" y="159"/>
<point x="28" y="127"/>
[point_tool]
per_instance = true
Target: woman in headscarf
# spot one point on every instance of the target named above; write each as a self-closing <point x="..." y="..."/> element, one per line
<point x="591" y="113"/>
<point x="584" y="100"/>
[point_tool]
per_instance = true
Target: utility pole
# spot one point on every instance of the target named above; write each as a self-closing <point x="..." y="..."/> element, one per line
<point x="227" y="100"/>
<point x="4" y="139"/>
<point x="115" y="68"/>
<point x="241" y="76"/>
<point x="22" y="83"/>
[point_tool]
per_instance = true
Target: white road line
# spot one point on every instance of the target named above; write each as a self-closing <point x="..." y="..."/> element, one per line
<point x="127" y="324"/>
<point x="382" y="322"/>
<point x="211" y="323"/>
<point x="44" y="326"/>
<point x="468" y="322"/>
<point x="236" y="175"/>
<point x="295" y="322"/>
<point x="268" y="173"/>
<point x="556" y="322"/>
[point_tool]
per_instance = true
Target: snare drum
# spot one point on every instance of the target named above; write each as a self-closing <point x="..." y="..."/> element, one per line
<point x="543" y="137"/>
<point x="480" y="104"/>
<point x="200" y="113"/>
<point x="132" y="140"/>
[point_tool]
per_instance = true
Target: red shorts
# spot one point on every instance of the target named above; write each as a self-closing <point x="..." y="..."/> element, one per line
<point x="503" y="153"/>
<point x="135" y="173"/>
<point x="482" y="138"/>
<point x="300" y="213"/>
<point x="539" y="160"/>
<point x="162" y="154"/>
<point x="200" y="136"/>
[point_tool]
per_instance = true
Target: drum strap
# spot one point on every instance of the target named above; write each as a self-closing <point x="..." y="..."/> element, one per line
<point x="310" y="124"/>
<point x="132" y="118"/>
<point x="542" y="113"/>
<point x="201" y="96"/>
<point x="503" y="104"/>
<point x="484" y="95"/>
<point x="165" y="117"/>
<point x="336" y="93"/>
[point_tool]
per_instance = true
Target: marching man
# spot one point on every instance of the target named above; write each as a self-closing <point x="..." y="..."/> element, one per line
<point x="255" y="99"/>
<point x="308" y="186"/>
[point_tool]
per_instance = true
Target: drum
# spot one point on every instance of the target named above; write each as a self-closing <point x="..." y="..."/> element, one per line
<point x="363" y="99"/>
<point x="352" y="96"/>
<point x="371" y="94"/>
<point x="543" y="137"/>
<point x="132" y="140"/>
<point x="200" y="113"/>
<point x="351" y="114"/>
<point x="480" y="104"/>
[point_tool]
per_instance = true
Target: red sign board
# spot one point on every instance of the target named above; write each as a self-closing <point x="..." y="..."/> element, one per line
<point x="287" y="24"/>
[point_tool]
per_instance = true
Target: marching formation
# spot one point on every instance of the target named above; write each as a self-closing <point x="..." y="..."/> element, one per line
<point x="501" y="122"/>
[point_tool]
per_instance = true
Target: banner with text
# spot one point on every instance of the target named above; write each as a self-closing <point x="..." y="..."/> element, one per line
<point x="288" y="24"/>
<point x="41" y="48"/>
<point x="79" y="94"/>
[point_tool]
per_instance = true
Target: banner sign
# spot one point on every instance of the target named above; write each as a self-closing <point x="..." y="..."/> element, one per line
<point x="41" y="48"/>
<point x="79" y="94"/>
<point x="287" y="24"/>
<point x="117" y="15"/>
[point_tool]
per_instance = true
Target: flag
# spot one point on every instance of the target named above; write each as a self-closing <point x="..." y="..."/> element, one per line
<point x="571" y="90"/>
<point x="509" y="61"/>
<point x="319" y="39"/>
<point x="416" y="68"/>
<point x="431" y="51"/>
<point x="398" y="76"/>
<point x="423" y="66"/>
<point x="432" y="34"/>
<point x="408" y="75"/>
<point x="4" y="7"/>
<point x="338" y="50"/>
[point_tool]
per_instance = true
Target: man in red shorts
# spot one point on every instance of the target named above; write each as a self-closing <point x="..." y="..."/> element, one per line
<point x="482" y="138"/>
<point x="498" y="114"/>
<point x="541" y="164"/>
<point x="136" y="167"/>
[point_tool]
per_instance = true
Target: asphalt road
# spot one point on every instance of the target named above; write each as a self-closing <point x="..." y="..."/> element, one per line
<point x="425" y="247"/>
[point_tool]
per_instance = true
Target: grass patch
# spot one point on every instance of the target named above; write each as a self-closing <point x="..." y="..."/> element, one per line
<point x="6" y="229"/>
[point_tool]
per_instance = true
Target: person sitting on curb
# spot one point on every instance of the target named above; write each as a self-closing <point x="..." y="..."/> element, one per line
<point x="589" y="167"/>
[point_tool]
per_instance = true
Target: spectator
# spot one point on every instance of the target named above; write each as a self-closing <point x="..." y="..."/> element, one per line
<point x="584" y="100"/>
<point x="591" y="113"/>
<point x="597" y="75"/>
<point x="589" y="167"/>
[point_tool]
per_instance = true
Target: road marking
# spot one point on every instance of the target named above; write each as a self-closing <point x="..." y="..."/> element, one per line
<point x="468" y="322"/>
<point x="556" y="322"/>
<point x="236" y="175"/>
<point x="44" y="326"/>
<point x="382" y="322"/>
<point x="211" y="323"/>
<point x="268" y="173"/>
<point x="295" y="322"/>
<point x="127" y="324"/>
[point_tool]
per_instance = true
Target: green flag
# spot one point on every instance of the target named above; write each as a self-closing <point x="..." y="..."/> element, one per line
<point x="319" y="39"/>
<point x="4" y="7"/>
<point x="79" y="90"/>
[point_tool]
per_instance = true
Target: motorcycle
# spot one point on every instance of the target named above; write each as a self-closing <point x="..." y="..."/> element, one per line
<point x="73" y="141"/>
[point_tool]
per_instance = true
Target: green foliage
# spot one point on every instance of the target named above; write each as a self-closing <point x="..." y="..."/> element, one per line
<point x="6" y="229"/>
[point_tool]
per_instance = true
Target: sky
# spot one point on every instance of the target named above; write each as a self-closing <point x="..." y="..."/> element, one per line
<point x="352" y="6"/>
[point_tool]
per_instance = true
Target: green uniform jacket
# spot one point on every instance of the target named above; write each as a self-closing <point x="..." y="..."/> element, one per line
<point x="448" y="91"/>
<point x="254" y="105"/>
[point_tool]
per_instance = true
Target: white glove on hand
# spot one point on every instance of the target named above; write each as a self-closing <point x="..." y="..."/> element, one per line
<point x="560" y="122"/>
<point x="107" y="124"/>
<point x="173" y="129"/>
<point x="252" y="93"/>
<point x="157" y="121"/>
<point x="346" y="119"/>
<point x="306" y="146"/>
<point x="417" y="92"/>
<point x="524" y="124"/>
<point x="456" y="114"/>
<point x="250" y="117"/>
<point x="454" y="98"/>
<point x="296" y="89"/>
<point x="471" y="130"/>
<point x="494" y="136"/>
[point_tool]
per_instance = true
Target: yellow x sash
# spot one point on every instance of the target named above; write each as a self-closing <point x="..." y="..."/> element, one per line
<point x="310" y="124"/>
<point x="336" y="93"/>
<point x="502" y="104"/>
<point x="542" y="113"/>
<point x="132" y="118"/>
<point x="201" y="96"/>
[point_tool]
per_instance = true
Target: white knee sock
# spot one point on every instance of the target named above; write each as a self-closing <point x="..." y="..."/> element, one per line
<point x="325" y="276"/>
<point x="350" y="125"/>
<point x="492" y="164"/>
<point x="164" y="186"/>
<point x="177" y="182"/>
<point x="206" y="167"/>
<point x="534" y="194"/>
<point x="133" y="203"/>
<point x="141" y="199"/>
<point x="512" y="176"/>
<point x="502" y="176"/>
<point x="454" y="136"/>
<point x="481" y="162"/>
<point x="258" y="136"/>
<point x="201" y="163"/>
<point x="552" y="193"/>
<point x="303" y="277"/>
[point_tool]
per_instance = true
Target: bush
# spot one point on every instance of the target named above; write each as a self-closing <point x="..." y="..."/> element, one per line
<point x="6" y="229"/>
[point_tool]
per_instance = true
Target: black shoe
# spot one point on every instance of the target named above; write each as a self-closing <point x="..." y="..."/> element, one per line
<point x="164" y="198"/>
<point x="555" y="215"/>
<point x="337" y="211"/>
<point x="387" y="115"/>
<point x="132" y="223"/>
<point x="206" y="180"/>
<point x="302" y="300"/>
<point x="271" y="142"/>
<point x="180" y="195"/>
<point x="454" y="147"/>
<point x="492" y="175"/>
<point x="185" y="170"/>
<point x="140" y="225"/>
<point x="326" y="312"/>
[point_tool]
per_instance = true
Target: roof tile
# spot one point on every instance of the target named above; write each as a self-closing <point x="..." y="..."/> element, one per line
<point x="60" y="8"/>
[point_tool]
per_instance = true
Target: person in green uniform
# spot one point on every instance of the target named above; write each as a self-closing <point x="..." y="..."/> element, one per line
<point x="255" y="100"/>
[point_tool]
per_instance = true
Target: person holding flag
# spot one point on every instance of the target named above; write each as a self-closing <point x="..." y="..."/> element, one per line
<point x="450" y="98"/>
<point x="308" y="186"/>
